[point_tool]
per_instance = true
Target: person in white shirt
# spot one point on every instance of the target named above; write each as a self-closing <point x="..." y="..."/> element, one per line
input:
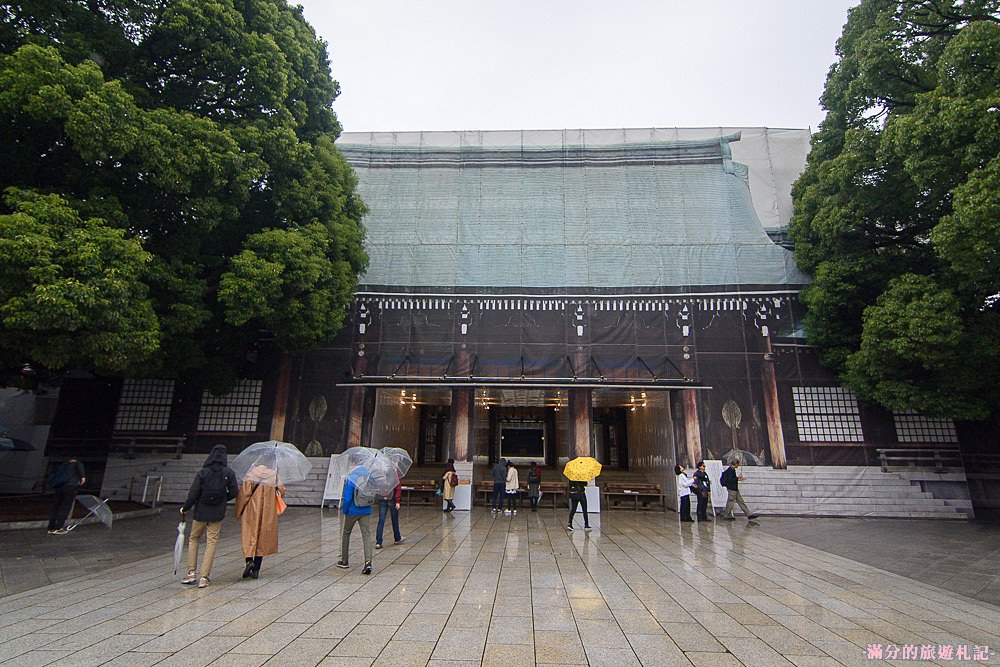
<point x="684" y="492"/>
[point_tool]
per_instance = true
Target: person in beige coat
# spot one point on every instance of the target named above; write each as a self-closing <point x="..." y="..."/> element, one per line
<point x="256" y="509"/>
<point x="448" y="483"/>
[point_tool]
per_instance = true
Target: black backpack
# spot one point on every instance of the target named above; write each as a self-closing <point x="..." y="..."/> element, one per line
<point x="532" y="477"/>
<point x="213" y="488"/>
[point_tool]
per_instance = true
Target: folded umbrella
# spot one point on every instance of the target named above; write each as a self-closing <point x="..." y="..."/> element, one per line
<point x="179" y="546"/>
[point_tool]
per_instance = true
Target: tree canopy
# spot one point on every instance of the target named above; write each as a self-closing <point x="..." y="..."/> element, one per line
<point x="897" y="215"/>
<point x="171" y="188"/>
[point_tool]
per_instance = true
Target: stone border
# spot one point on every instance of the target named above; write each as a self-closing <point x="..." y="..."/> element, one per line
<point x="31" y="525"/>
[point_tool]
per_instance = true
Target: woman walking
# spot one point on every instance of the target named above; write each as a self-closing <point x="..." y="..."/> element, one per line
<point x="449" y="480"/>
<point x="257" y="511"/>
<point x="577" y="492"/>
<point x="684" y="492"/>
<point x="510" y="488"/>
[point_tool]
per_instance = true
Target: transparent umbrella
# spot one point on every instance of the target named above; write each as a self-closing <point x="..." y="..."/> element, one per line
<point x="95" y="506"/>
<point x="284" y="458"/>
<point x="399" y="457"/>
<point x="375" y="471"/>
<point x="179" y="546"/>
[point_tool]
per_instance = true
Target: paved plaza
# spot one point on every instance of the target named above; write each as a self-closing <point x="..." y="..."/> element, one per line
<point x="471" y="588"/>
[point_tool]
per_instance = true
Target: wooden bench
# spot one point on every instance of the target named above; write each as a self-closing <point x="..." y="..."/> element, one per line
<point x="556" y="491"/>
<point x="425" y="491"/>
<point x="648" y="494"/>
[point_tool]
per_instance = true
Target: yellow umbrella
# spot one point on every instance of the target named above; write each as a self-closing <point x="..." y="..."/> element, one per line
<point x="582" y="469"/>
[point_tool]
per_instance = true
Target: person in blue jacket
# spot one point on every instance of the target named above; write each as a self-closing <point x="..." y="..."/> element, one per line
<point x="355" y="508"/>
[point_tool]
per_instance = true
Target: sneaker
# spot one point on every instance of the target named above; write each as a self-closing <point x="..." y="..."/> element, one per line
<point x="729" y="518"/>
<point x="587" y="528"/>
<point x="569" y="527"/>
<point x="342" y="564"/>
<point x="58" y="531"/>
<point x="400" y="540"/>
<point x="203" y="582"/>
<point x="367" y="569"/>
<point x="515" y="511"/>
<point x="378" y="546"/>
<point x="191" y="578"/>
<point x="752" y="516"/>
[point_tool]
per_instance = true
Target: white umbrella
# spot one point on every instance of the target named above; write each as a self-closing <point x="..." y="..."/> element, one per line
<point x="179" y="546"/>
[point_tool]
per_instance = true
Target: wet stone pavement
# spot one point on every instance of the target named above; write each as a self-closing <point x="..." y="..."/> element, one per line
<point x="472" y="588"/>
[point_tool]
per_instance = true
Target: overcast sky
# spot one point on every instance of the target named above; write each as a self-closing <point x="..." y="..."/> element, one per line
<point x="555" y="64"/>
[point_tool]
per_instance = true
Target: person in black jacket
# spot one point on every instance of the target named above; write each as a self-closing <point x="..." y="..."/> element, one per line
<point x="702" y="488"/>
<point x="214" y="485"/>
<point x="65" y="480"/>
<point x="731" y="480"/>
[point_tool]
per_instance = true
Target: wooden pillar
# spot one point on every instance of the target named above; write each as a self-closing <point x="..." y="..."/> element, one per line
<point x="356" y="404"/>
<point x="459" y="445"/>
<point x="775" y="434"/>
<point x="278" y="415"/>
<point x="692" y="425"/>
<point x="581" y="422"/>
<point x="355" y="416"/>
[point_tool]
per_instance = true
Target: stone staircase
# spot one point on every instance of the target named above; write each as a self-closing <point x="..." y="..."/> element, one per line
<point x="832" y="491"/>
<point x="121" y="473"/>
<point x="855" y="491"/>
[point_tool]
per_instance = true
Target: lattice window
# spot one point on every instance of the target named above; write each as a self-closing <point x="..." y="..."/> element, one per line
<point x="235" y="411"/>
<point x="914" y="427"/>
<point x="144" y="405"/>
<point x="827" y="414"/>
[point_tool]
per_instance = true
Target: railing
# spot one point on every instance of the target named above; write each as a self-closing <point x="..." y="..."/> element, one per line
<point x="130" y="445"/>
<point x="939" y="459"/>
<point x="149" y="480"/>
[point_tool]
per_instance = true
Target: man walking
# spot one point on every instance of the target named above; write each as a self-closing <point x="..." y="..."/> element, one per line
<point x="499" y="474"/>
<point x="213" y="486"/>
<point x="731" y="480"/>
<point x="389" y="505"/>
<point x="65" y="480"/>
<point x="355" y="508"/>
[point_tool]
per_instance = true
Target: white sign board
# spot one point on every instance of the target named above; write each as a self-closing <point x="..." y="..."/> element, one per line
<point x="719" y="493"/>
<point x="463" y="492"/>
<point x="334" y="489"/>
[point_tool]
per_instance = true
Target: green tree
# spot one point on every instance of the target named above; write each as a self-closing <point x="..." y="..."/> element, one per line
<point x="192" y="141"/>
<point x="897" y="215"/>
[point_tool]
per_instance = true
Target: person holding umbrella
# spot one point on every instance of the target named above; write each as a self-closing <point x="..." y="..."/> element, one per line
<point x="264" y="467"/>
<point x="579" y="471"/>
<point x="213" y="486"/>
<point x="355" y="508"/>
<point x="257" y="511"/>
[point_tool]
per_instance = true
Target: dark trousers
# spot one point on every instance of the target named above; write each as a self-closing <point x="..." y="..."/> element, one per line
<point x="581" y="501"/>
<point x="686" y="508"/>
<point x="498" y="491"/>
<point x="702" y="507"/>
<point x="390" y="507"/>
<point x="62" y="506"/>
<point x="511" y="501"/>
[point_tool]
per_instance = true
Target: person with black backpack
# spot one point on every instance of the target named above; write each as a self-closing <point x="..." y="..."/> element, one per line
<point x="213" y="486"/>
<point x="534" y="484"/>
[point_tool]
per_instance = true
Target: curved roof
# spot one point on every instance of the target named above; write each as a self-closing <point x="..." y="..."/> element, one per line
<point x="640" y="214"/>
